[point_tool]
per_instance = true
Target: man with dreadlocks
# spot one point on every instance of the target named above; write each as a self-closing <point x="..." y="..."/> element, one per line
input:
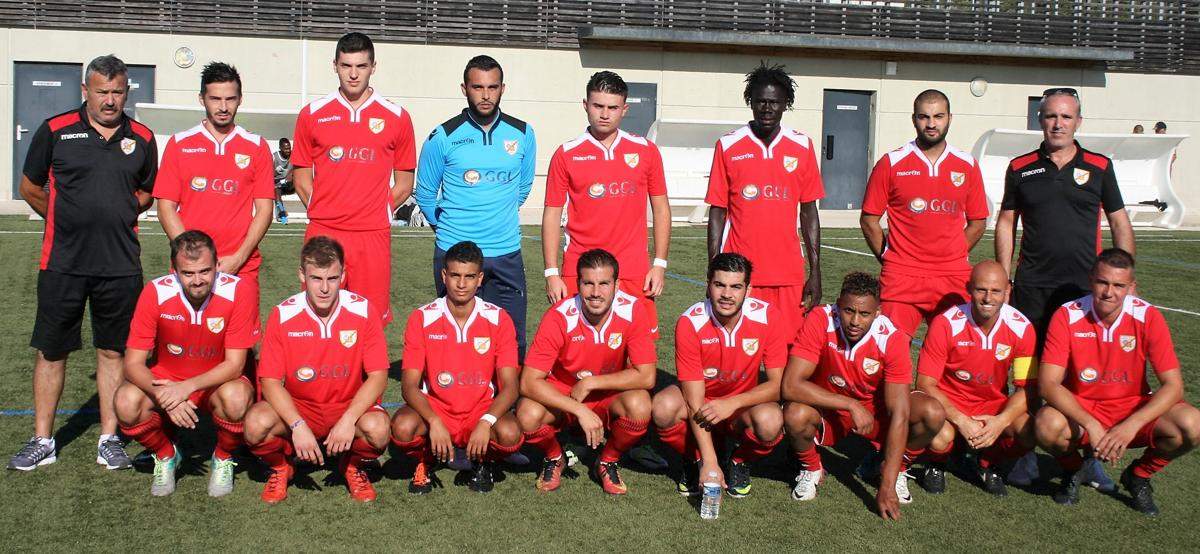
<point x="762" y="174"/>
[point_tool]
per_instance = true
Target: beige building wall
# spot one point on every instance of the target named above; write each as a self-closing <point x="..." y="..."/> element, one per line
<point x="544" y="87"/>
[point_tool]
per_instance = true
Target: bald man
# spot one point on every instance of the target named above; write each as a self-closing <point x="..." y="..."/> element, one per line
<point x="966" y="362"/>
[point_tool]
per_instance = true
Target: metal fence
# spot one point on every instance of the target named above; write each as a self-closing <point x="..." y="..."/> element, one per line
<point x="1165" y="36"/>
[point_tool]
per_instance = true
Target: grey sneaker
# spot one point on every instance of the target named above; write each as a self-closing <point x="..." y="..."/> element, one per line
<point x="33" y="454"/>
<point x="111" y="454"/>
<point x="220" y="480"/>
<point x="163" y="482"/>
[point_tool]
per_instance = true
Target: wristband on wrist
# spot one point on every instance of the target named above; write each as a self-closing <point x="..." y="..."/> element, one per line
<point x="659" y="262"/>
<point x="489" y="418"/>
<point x="550" y="272"/>
<point x="296" y="424"/>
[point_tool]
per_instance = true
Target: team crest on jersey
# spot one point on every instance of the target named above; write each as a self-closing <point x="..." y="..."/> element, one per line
<point x="632" y="160"/>
<point x="305" y="374"/>
<point x="1002" y="351"/>
<point x="335" y="153"/>
<point x="614" y="341"/>
<point x="583" y="375"/>
<point x="510" y="146"/>
<point x="837" y="381"/>
<point x="216" y="324"/>
<point x="1128" y="343"/>
<point x="596" y="190"/>
<point x="711" y="372"/>
<point x="376" y="125"/>
<point x="1088" y="375"/>
<point x="471" y="176"/>
<point x="348" y="337"/>
<point x="750" y="192"/>
<point x="749" y="346"/>
<point x="958" y="178"/>
<point x="963" y="375"/>
<point x="790" y="164"/>
<point x="128" y="145"/>
<point x="198" y="184"/>
<point x="482" y="344"/>
<point x="870" y="366"/>
<point x="174" y="349"/>
<point x="445" y="379"/>
<point x="1082" y="176"/>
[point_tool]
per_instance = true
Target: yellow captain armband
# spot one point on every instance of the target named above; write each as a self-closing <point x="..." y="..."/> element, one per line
<point x="1024" y="368"/>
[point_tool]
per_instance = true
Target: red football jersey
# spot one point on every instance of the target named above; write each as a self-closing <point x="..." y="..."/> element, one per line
<point x="1109" y="362"/>
<point x="858" y="370"/>
<point x="972" y="367"/>
<point x="762" y="187"/>
<point x="726" y="361"/>
<point x="215" y="184"/>
<point x="927" y="207"/>
<point x="187" y="342"/>
<point x="352" y="154"/>
<point x="459" y="365"/>
<point x="318" y="362"/>
<point x="569" y="348"/>
<point x="606" y="193"/>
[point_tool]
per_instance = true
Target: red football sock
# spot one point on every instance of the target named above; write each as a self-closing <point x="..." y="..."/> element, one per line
<point x="939" y="456"/>
<point x="361" y="450"/>
<point x="624" y="435"/>
<point x="497" y="451"/>
<point x="810" y="459"/>
<point x="274" y="451"/>
<point x="676" y="437"/>
<point x="910" y="456"/>
<point x="1005" y="448"/>
<point x="416" y="449"/>
<point x="1151" y="462"/>
<point x="1071" y="462"/>
<point x="150" y="434"/>
<point x="543" y="439"/>
<point x="229" y="438"/>
<point x="752" y="448"/>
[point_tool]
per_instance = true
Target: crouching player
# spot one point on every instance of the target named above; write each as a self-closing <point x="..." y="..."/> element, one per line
<point x="965" y="365"/>
<point x="592" y="363"/>
<point x="198" y="323"/>
<point x="460" y="378"/>
<point x="720" y="345"/>
<point x="322" y="371"/>
<point x="1093" y="379"/>
<point x="849" y="372"/>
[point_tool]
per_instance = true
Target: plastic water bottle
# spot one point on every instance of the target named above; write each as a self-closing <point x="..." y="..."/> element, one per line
<point x="710" y="503"/>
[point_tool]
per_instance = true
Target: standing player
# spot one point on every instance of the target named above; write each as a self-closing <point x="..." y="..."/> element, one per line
<point x="199" y="323"/>
<point x="760" y="174"/>
<point x="323" y="370"/>
<point x="604" y="177"/>
<point x="282" y="161"/>
<point x="348" y="146"/>
<point x="933" y="196"/>
<point x="591" y="363"/>
<point x="720" y="345"/>
<point x="965" y="365"/>
<point x="476" y="170"/>
<point x="217" y="178"/>
<point x="849" y="372"/>
<point x="460" y="378"/>
<point x="1093" y="379"/>
<point x="89" y="172"/>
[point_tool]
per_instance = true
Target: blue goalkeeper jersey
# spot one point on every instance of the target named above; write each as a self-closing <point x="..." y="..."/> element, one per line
<point x="471" y="182"/>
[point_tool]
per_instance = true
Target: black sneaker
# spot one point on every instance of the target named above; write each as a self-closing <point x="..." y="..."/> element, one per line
<point x="481" y="478"/>
<point x="738" y="482"/>
<point x="870" y="466"/>
<point x="688" y="482"/>
<point x="994" y="485"/>
<point x="1140" y="492"/>
<point x="934" y="480"/>
<point x="422" y="480"/>
<point x="1068" y="491"/>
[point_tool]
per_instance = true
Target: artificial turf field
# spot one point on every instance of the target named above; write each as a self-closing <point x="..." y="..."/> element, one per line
<point x="75" y="505"/>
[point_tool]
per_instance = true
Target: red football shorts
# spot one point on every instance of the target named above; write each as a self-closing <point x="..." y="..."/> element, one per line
<point x="598" y="402"/>
<point x="836" y="425"/>
<point x="461" y="426"/>
<point x="368" y="268"/>
<point x="202" y="397"/>
<point x="1112" y="411"/>
<point x="788" y="298"/>
<point x="320" y="418"/>
<point x="908" y="299"/>
<point x="632" y="287"/>
<point x="986" y="408"/>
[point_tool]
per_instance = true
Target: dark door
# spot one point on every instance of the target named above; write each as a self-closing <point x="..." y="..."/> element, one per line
<point x="41" y="90"/>
<point x="643" y="108"/>
<point x="845" y="149"/>
<point x="141" y="87"/>
<point x="1032" y="123"/>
